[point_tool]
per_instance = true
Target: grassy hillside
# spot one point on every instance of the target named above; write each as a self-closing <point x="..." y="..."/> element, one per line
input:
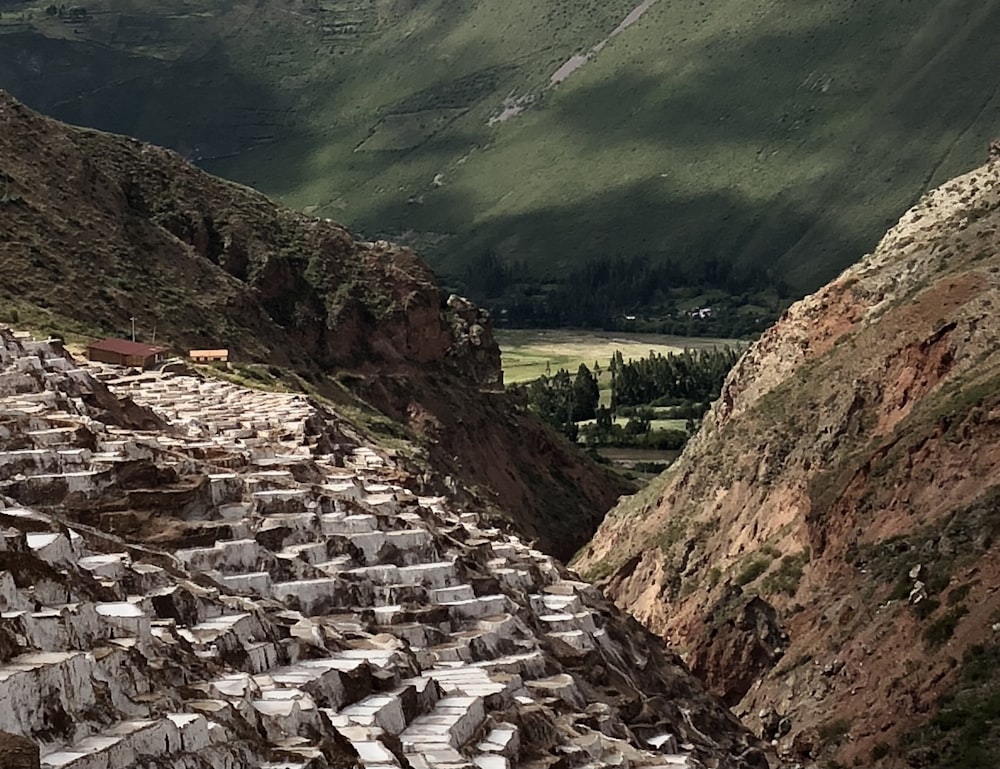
<point x="738" y="143"/>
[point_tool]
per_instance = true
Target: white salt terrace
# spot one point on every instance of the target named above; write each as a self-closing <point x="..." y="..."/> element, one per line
<point x="329" y="605"/>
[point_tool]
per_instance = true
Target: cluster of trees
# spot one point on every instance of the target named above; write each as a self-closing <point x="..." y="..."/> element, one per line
<point x="669" y="380"/>
<point x="73" y="13"/>
<point x="686" y="383"/>
<point x="563" y="401"/>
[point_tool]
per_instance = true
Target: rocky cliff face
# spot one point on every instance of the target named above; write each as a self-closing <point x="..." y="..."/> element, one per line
<point x="97" y="229"/>
<point x="825" y="549"/>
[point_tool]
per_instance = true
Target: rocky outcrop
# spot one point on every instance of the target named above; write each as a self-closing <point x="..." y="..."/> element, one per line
<point x="246" y="590"/>
<point x="129" y="229"/>
<point x="18" y="752"/>
<point x="98" y="229"/>
<point x="841" y="485"/>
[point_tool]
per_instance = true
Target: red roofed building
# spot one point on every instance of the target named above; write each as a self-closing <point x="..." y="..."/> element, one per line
<point x="122" y="352"/>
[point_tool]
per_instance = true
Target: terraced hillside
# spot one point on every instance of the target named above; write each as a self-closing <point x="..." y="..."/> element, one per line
<point x="741" y="143"/>
<point x="96" y="230"/>
<point x="219" y="578"/>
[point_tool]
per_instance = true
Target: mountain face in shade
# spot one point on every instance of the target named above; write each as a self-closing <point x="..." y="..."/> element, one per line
<point x="553" y="146"/>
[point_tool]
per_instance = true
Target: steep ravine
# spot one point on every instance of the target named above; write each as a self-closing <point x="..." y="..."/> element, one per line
<point x="824" y="551"/>
<point x="177" y="543"/>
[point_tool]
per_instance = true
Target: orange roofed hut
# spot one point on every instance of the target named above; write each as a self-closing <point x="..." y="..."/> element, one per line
<point x="209" y="356"/>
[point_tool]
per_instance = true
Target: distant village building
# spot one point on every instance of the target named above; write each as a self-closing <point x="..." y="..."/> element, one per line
<point x="122" y="352"/>
<point x="209" y="356"/>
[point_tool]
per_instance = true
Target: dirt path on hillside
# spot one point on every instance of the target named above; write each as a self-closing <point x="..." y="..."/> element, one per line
<point x="577" y="60"/>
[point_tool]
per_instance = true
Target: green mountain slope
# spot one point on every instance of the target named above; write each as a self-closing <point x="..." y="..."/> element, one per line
<point x="738" y="143"/>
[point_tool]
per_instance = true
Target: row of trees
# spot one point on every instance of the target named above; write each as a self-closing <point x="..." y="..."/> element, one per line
<point x="606" y="292"/>
<point x="668" y="380"/>
<point x="636" y="432"/>
<point x="687" y="382"/>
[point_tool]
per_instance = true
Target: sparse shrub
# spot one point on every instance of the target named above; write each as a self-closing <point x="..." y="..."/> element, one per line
<point x="937" y="580"/>
<point x="963" y="731"/>
<point x="602" y="569"/>
<point x="785" y="579"/>
<point x="834" y="731"/>
<point x="673" y="532"/>
<point x="901" y="590"/>
<point x="957" y="595"/>
<point x="926" y="607"/>
<point x="752" y="570"/>
<point x="943" y="628"/>
<point x="880" y="751"/>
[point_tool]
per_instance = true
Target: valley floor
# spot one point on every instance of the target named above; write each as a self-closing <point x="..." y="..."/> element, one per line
<point x="529" y="353"/>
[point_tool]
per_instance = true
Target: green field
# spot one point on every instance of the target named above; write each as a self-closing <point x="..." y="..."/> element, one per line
<point x="740" y="141"/>
<point x="530" y="353"/>
<point x="654" y="424"/>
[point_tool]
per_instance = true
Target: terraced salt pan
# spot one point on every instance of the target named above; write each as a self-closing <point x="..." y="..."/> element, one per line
<point x="329" y="604"/>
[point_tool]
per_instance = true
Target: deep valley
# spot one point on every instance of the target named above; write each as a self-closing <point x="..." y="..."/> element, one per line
<point x="272" y="495"/>
<point x="737" y="153"/>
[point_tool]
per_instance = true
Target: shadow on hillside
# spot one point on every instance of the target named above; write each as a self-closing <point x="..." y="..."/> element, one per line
<point x="201" y="108"/>
<point x="912" y="78"/>
<point x="770" y="144"/>
<point x="848" y="149"/>
<point x="645" y="218"/>
<point x="43" y="72"/>
<point x="769" y="149"/>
